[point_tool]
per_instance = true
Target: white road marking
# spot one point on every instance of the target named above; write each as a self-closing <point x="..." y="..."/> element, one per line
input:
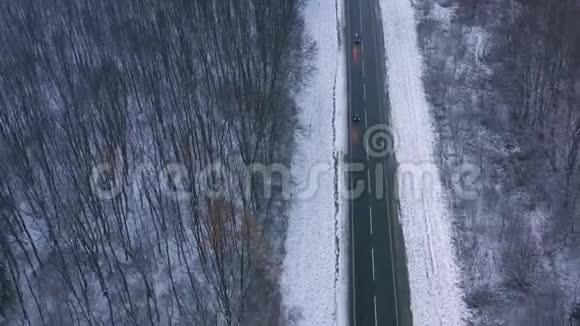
<point x="371" y="215"/>
<point x="360" y="15"/>
<point x="364" y="91"/>
<point x="373" y="262"/>
<point x="365" y="116"/>
<point x="375" y="304"/>
<point x="363" y="63"/>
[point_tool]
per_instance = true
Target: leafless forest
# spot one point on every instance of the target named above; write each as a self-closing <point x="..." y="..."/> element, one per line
<point x="503" y="78"/>
<point x="125" y="131"/>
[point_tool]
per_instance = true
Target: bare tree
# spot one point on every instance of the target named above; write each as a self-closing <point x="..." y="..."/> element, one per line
<point x="101" y="98"/>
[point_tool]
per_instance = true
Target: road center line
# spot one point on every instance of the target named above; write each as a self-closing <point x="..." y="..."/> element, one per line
<point x="373" y="261"/>
<point x="366" y="120"/>
<point x="365" y="92"/>
<point x="375" y="304"/>
<point x="363" y="63"/>
<point x="360" y="15"/>
<point x="371" y="218"/>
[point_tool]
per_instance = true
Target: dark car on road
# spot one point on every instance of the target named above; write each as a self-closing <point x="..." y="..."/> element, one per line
<point x="356" y="130"/>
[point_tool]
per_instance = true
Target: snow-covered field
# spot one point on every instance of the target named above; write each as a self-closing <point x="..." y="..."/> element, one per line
<point x="314" y="279"/>
<point x="436" y="298"/>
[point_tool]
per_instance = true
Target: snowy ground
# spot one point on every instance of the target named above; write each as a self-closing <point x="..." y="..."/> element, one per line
<point x="314" y="279"/>
<point x="436" y="298"/>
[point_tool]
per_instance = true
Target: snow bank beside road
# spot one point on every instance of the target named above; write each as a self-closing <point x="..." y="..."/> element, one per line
<point x="314" y="277"/>
<point x="436" y="298"/>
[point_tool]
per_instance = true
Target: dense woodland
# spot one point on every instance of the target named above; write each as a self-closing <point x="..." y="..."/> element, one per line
<point x="504" y="81"/>
<point x="126" y="130"/>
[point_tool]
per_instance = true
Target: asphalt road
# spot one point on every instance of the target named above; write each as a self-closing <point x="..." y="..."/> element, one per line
<point x="379" y="285"/>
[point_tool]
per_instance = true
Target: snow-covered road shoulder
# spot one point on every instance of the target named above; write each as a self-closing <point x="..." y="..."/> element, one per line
<point x="436" y="297"/>
<point x="314" y="278"/>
